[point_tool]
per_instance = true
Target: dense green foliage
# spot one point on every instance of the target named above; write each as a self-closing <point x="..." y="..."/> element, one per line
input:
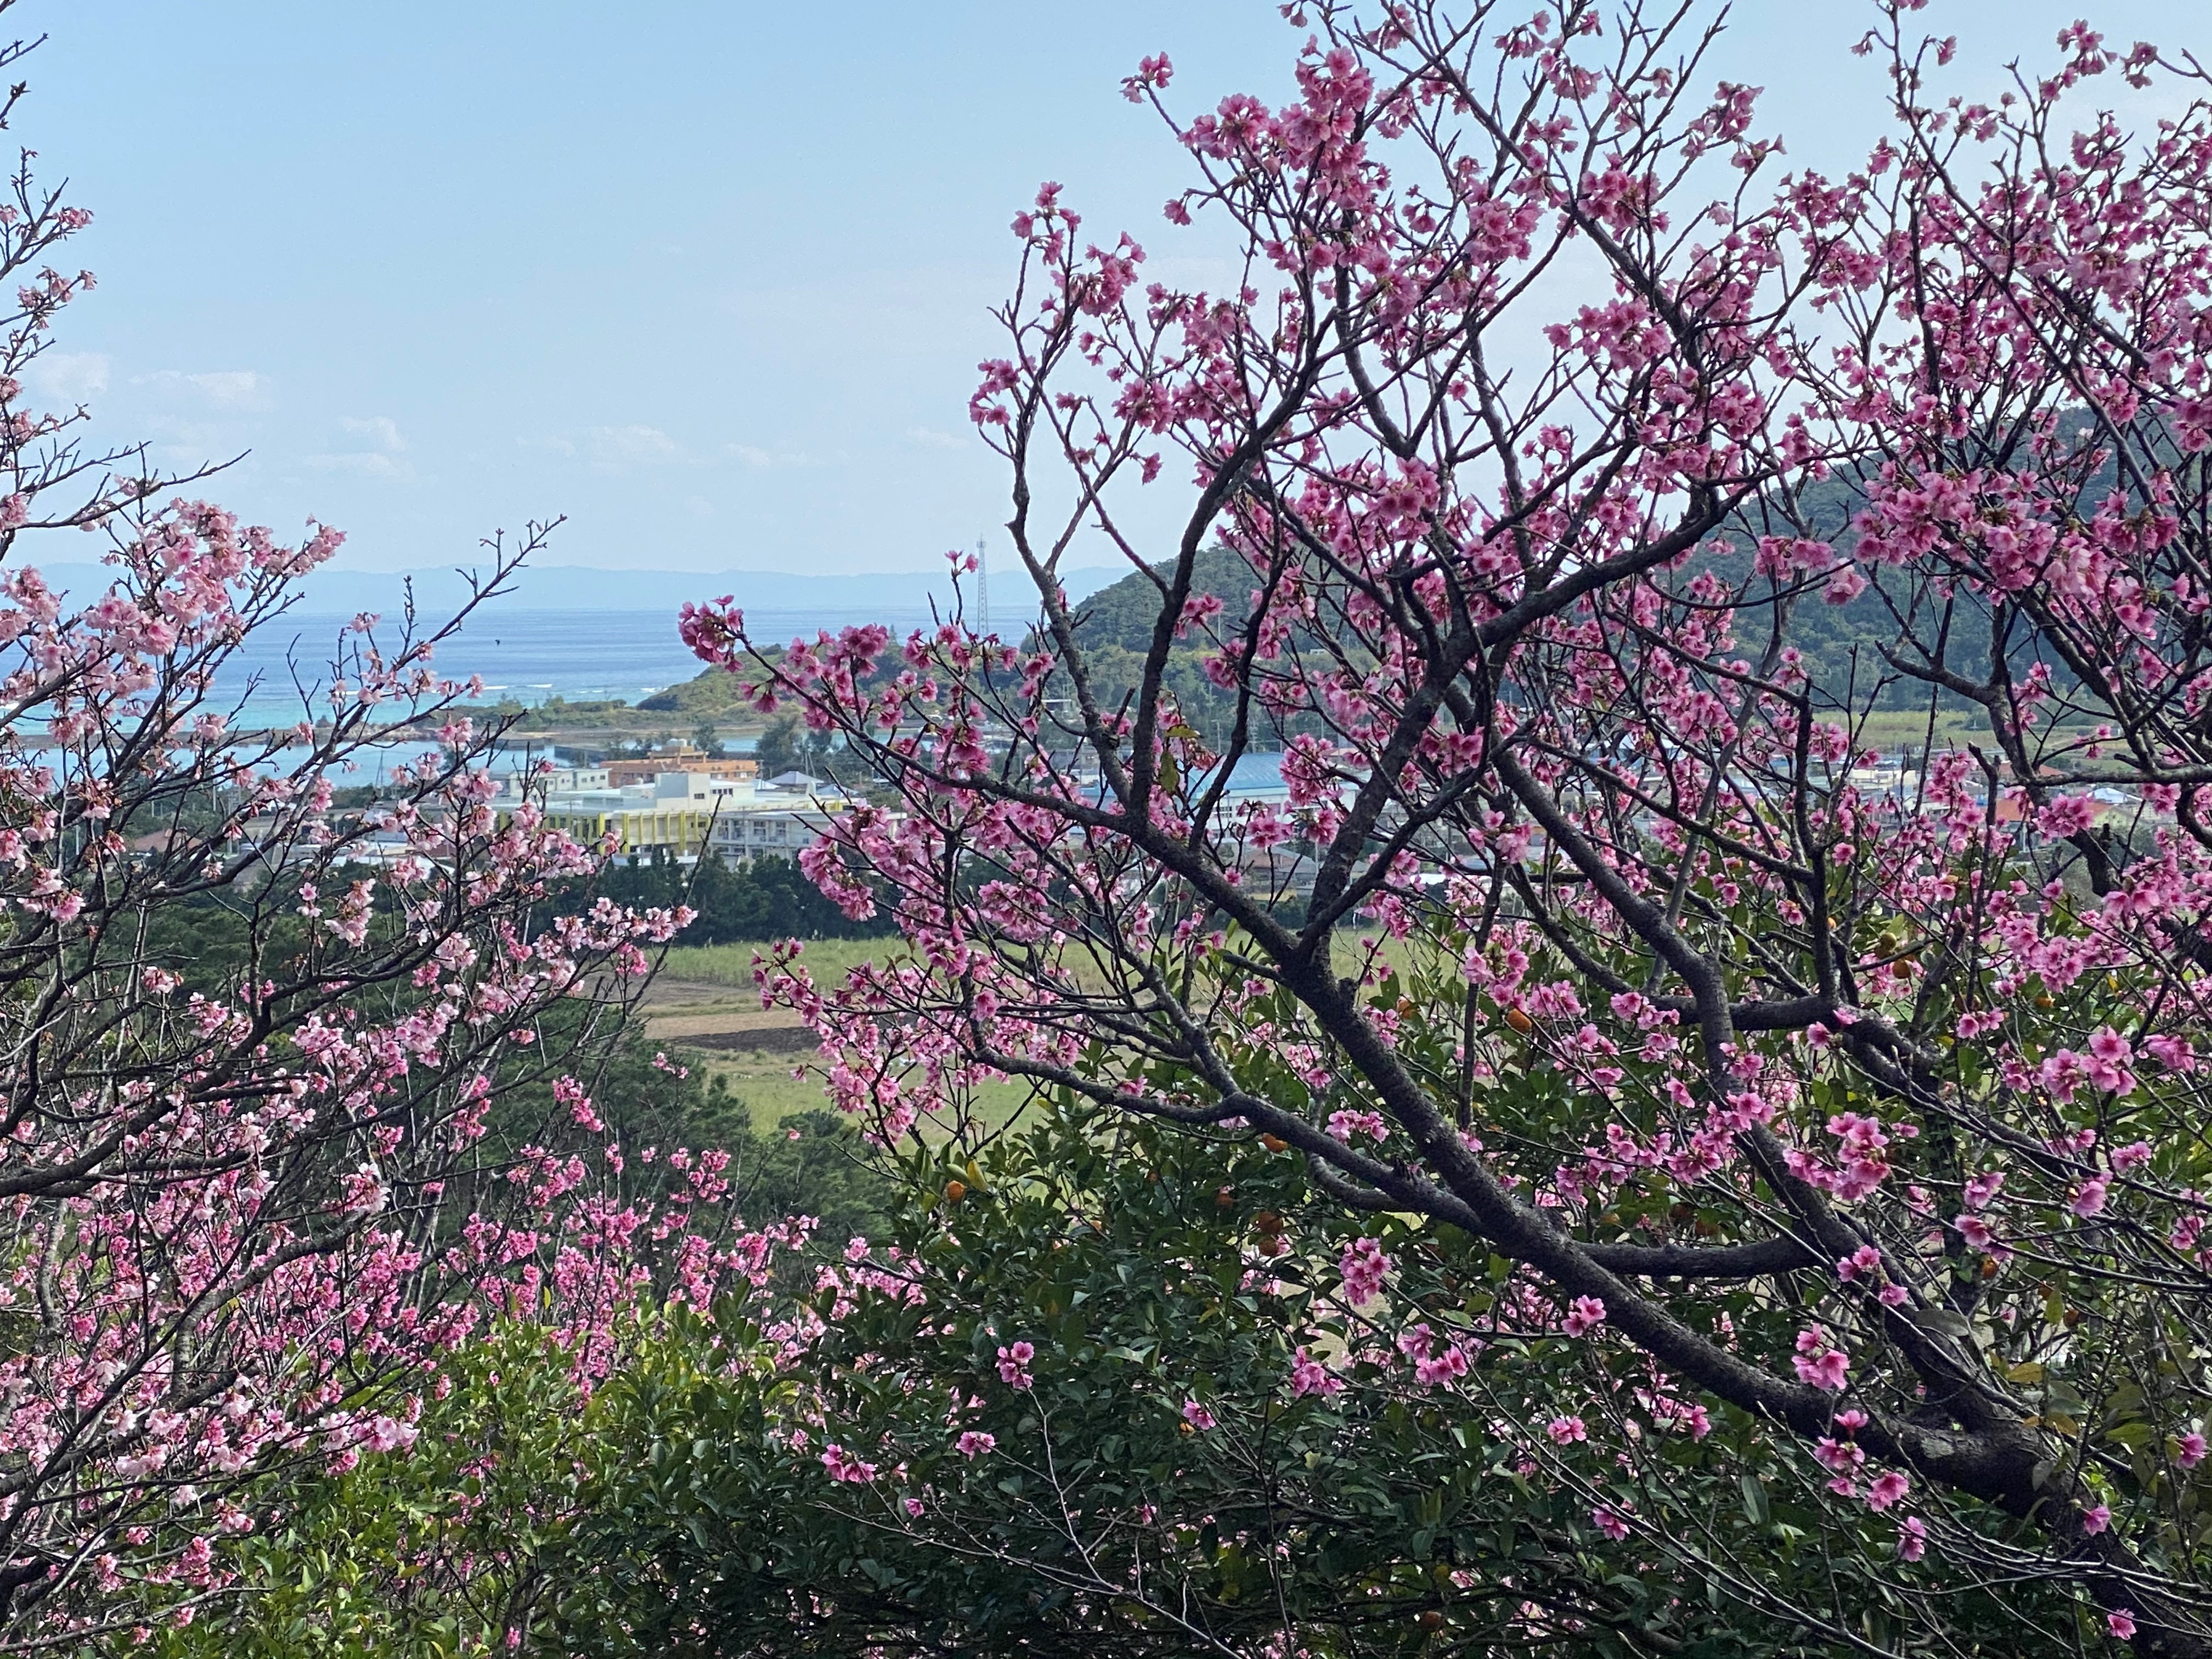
<point x="479" y="1528"/>
<point x="765" y="897"/>
<point x="787" y="746"/>
<point x="703" y="696"/>
<point x="685" y="1508"/>
<point x="1382" y="1519"/>
<point x="431" y="1555"/>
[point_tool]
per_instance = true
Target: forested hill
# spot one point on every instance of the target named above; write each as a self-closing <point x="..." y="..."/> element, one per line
<point x="1123" y="615"/>
<point x="1841" y="640"/>
<point x="1842" y="643"/>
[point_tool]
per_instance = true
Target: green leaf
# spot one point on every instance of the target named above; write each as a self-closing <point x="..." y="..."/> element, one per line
<point x="1754" y="1500"/>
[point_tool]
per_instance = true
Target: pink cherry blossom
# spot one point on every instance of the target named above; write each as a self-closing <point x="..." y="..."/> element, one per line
<point x="1585" y="1315"/>
<point x="843" y="1466"/>
<point x="1310" y="1376"/>
<point x="1364" y="1267"/>
<point x="1819" y="1361"/>
<point x="1607" y="1521"/>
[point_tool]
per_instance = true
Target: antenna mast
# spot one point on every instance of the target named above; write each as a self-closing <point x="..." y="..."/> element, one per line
<point x="982" y="586"/>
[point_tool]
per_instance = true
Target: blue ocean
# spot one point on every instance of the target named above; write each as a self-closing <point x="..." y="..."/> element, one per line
<point x="530" y="656"/>
<point x="282" y="672"/>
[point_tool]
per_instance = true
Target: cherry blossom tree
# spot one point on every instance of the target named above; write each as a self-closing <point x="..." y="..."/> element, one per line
<point x="1848" y="1112"/>
<point x="280" y="1124"/>
<point x="1050" y="1416"/>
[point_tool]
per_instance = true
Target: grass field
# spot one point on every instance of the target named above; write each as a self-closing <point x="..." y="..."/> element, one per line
<point x="1890" y="729"/>
<point x="732" y="964"/>
<point x="704" y="1004"/>
<point x="770" y="1092"/>
<point x="706" y="997"/>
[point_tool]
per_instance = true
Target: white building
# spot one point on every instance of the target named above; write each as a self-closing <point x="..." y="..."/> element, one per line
<point x="761" y="831"/>
<point x="669" y="815"/>
<point x="682" y="814"/>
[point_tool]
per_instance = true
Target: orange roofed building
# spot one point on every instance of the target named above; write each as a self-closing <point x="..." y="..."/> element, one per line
<point x="676" y="757"/>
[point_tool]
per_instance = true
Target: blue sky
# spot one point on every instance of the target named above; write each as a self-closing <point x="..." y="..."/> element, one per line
<point x="710" y="279"/>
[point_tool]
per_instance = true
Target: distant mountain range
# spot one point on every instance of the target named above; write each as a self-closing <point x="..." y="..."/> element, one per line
<point x="889" y="594"/>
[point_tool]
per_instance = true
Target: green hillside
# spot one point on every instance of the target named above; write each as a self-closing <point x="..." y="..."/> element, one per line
<point x="1842" y="642"/>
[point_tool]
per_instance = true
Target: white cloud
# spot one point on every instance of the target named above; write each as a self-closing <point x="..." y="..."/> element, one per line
<point x="767" y="460"/>
<point x="632" y="446"/>
<point x="362" y="463"/>
<point x="616" y="448"/>
<point x="930" y="438"/>
<point x="207" y="437"/>
<point x="380" y="429"/>
<point x="232" y="388"/>
<point x="223" y="388"/>
<point x="68" y="377"/>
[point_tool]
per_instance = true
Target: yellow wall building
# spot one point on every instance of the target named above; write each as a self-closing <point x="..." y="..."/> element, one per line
<point x="679" y="828"/>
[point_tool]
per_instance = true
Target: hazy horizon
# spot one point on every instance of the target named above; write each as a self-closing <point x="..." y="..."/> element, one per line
<point x="856" y="595"/>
